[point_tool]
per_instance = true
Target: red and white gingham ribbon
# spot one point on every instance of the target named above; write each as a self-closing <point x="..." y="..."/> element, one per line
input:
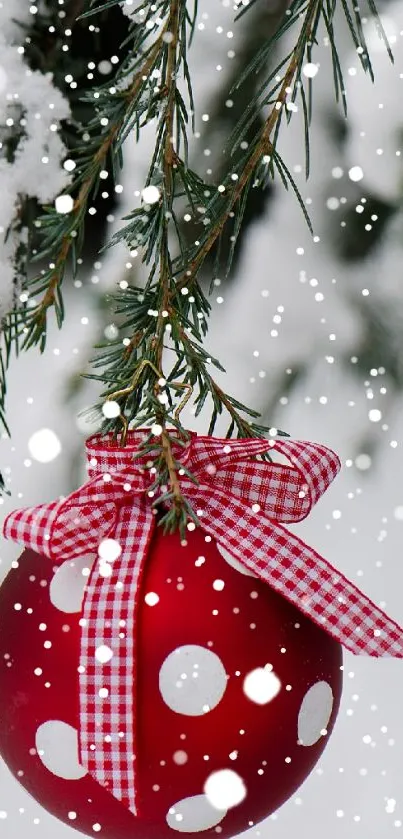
<point x="241" y="501"/>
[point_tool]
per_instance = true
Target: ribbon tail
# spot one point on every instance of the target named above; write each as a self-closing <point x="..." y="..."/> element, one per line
<point x="300" y="574"/>
<point x="108" y="688"/>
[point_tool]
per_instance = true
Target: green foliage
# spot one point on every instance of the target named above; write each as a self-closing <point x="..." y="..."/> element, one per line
<point x="164" y="324"/>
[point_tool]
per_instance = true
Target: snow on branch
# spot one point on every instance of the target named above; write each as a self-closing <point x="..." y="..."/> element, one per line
<point x="31" y="150"/>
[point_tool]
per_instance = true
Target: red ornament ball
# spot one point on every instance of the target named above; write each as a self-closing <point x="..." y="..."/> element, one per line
<point x="237" y="693"/>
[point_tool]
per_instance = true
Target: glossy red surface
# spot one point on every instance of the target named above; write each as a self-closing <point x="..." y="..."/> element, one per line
<point x="246" y="624"/>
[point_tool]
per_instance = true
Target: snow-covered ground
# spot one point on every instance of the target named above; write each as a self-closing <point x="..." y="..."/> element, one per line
<point x="358" y="525"/>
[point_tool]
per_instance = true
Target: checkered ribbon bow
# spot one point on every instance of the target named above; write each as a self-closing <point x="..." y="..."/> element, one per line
<point x="240" y="501"/>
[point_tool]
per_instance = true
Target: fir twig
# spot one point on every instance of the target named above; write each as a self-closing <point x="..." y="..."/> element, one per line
<point x="173" y="27"/>
<point x="35" y="319"/>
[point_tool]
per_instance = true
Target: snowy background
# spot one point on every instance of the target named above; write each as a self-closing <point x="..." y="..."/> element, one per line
<point x="296" y="310"/>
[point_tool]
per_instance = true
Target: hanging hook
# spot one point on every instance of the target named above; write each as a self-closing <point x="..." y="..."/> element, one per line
<point x="127" y="390"/>
<point x="185" y="399"/>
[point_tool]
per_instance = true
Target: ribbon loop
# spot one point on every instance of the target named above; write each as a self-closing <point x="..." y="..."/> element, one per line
<point x="31" y="527"/>
<point x="287" y="493"/>
<point x="316" y="464"/>
<point x="77" y="524"/>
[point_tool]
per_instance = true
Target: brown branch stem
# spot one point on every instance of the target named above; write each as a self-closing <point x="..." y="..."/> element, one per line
<point x="223" y="398"/>
<point x="173" y="24"/>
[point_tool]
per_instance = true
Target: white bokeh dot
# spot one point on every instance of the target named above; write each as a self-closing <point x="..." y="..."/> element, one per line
<point x="103" y="653"/>
<point x="225" y="788"/>
<point x="110" y="409"/>
<point x="109" y="550"/>
<point x="355" y="173"/>
<point x="192" y="680"/>
<point x="64" y="204"/>
<point x="104" y="67"/>
<point x="261" y="685"/>
<point x="150" y="194"/>
<point x="310" y="70"/>
<point x="44" y="445"/>
<point x="363" y="462"/>
<point x="180" y="757"/>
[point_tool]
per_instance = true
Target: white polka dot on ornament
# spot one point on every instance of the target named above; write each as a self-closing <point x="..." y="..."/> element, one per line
<point x="314" y="713"/>
<point x="192" y="680"/>
<point x="234" y="563"/>
<point x="67" y="587"/>
<point x="57" y="747"/>
<point x="193" y="814"/>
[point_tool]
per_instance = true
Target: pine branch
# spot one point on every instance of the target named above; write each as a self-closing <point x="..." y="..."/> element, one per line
<point x="35" y="321"/>
<point x="264" y="147"/>
<point x="164" y="324"/>
<point x="172" y="302"/>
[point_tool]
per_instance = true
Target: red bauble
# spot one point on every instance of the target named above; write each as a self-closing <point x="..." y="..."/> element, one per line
<point x="236" y="691"/>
